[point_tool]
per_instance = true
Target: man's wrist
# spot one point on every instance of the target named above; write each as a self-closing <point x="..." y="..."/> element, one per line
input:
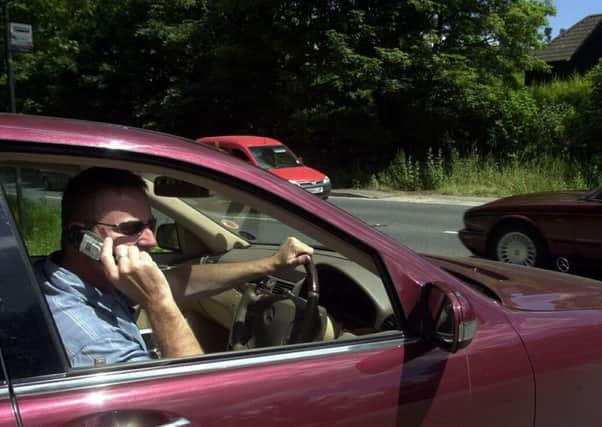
<point x="272" y="264"/>
<point x="162" y="307"/>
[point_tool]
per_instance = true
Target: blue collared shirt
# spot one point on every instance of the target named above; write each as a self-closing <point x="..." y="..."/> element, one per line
<point x="95" y="327"/>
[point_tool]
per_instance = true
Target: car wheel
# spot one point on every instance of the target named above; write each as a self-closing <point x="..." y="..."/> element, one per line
<point x="519" y="245"/>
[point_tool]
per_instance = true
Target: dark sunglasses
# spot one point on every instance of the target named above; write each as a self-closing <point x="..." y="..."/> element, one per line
<point x="131" y="228"/>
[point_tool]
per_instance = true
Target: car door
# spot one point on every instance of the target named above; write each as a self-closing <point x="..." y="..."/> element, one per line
<point x="390" y="378"/>
<point x="350" y="383"/>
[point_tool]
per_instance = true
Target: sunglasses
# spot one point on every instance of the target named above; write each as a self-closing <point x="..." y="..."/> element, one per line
<point x="131" y="228"/>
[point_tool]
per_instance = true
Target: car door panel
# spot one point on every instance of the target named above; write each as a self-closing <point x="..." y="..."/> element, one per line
<point x="7" y="413"/>
<point x="588" y="225"/>
<point x="347" y="387"/>
<point x="387" y="380"/>
<point x="381" y="383"/>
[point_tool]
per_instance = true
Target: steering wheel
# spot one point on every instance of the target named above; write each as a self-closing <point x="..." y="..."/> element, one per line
<point x="264" y="318"/>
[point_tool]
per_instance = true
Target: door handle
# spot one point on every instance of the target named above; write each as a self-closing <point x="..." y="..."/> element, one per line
<point x="177" y="422"/>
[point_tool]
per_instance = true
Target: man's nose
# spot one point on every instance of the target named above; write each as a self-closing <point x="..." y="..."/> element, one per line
<point x="147" y="239"/>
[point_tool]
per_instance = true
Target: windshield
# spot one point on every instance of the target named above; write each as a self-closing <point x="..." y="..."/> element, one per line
<point x="245" y="221"/>
<point x="274" y="156"/>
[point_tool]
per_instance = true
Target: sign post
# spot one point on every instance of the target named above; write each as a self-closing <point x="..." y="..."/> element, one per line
<point x="18" y="38"/>
<point x="21" y="37"/>
<point x="9" y="59"/>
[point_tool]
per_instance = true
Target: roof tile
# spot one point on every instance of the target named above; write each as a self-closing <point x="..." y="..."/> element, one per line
<point x="565" y="45"/>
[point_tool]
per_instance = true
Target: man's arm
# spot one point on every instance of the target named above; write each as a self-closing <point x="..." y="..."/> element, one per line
<point x="206" y="279"/>
<point x="135" y="274"/>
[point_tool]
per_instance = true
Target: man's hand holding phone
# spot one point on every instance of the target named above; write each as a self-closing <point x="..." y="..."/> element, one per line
<point x="136" y="274"/>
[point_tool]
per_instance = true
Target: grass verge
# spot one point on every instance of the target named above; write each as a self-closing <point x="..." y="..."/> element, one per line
<point x="475" y="175"/>
<point x="40" y="225"/>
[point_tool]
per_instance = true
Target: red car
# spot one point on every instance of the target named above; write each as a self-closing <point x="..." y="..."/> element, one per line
<point x="561" y="229"/>
<point x="275" y="157"/>
<point x="392" y="338"/>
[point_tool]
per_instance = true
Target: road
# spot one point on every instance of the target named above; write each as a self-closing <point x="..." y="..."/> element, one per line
<point x="423" y="227"/>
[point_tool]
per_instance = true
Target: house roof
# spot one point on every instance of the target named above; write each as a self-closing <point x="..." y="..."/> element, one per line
<point x="565" y="45"/>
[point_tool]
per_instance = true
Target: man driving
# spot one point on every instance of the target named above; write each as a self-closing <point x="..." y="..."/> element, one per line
<point x="91" y="300"/>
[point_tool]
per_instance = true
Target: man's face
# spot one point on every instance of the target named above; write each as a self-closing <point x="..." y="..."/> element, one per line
<point x="116" y="207"/>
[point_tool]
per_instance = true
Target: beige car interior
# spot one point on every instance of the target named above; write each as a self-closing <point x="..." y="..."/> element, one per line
<point x="202" y="239"/>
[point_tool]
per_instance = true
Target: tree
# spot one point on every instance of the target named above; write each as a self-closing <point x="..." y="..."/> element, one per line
<point x="424" y="63"/>
<point x="362" y="78"/>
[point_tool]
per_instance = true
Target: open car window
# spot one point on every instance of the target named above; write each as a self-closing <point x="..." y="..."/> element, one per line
<point x="34" y="196"/>
<point x="225" y="225"/>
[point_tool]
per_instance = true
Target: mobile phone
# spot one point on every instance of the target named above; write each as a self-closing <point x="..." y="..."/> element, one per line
<point x="91" y="244"/>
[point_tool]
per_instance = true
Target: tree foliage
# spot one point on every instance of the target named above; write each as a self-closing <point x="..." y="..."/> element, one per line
<point x="359" y="78"/>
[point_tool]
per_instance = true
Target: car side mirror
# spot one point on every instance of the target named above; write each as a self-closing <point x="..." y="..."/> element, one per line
<point x="167" y="237"/>
<point x="449" y="319"/>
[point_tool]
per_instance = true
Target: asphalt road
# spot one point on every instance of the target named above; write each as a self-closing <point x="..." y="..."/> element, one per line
<point x="424" y="224"/>
<point x="424" y="227"/>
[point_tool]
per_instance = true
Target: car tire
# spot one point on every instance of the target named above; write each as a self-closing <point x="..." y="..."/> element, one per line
<point x="519" y="244"/>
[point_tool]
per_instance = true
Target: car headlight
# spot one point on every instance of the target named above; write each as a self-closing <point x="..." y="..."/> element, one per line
<point x="326" y="180"/>
<point x="292" y="181"/>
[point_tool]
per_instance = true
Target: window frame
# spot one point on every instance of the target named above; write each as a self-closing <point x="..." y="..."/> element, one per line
<point x="127" y="159"/>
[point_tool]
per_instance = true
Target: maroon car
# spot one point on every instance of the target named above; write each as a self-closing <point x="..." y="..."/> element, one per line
<point x="389" y="338"/>
<point x="563" y="229"/>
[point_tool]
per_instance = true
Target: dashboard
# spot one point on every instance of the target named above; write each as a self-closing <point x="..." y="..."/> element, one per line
<point x="354" y="298"/>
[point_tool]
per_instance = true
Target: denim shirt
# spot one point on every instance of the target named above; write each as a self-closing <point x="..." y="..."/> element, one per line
<point x="96" y="328"/>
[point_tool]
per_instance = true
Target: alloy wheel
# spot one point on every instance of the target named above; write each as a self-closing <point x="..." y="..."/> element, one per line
<point x="516" y="247"/>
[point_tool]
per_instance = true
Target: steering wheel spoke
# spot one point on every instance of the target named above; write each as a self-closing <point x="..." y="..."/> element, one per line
<point x="264" y="318"/>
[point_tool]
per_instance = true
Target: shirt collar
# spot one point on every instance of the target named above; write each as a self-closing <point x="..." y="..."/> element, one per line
<point x="67" y="281"/>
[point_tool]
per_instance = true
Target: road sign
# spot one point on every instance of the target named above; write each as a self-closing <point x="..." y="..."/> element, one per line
<point x="21" y="37"/>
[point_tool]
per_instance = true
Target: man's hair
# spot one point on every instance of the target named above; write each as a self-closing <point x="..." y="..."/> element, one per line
<point x="87" y="185"/>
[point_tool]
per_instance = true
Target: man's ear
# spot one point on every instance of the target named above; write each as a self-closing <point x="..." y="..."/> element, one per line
<point x="73" y="234"/>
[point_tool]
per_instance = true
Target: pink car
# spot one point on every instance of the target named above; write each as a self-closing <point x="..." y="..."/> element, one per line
<point x="273" y="156"/>
<point x="369" y="334"/>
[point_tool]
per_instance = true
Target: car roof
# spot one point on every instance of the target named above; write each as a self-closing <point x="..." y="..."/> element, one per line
<point x="244" y="140"/>
<point x="81" y="133"/>
<point x="31" y="130"/>
<point x="44" y="129"/>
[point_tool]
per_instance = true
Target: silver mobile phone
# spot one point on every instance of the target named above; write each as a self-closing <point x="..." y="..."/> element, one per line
<point x="91" y="244"/>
